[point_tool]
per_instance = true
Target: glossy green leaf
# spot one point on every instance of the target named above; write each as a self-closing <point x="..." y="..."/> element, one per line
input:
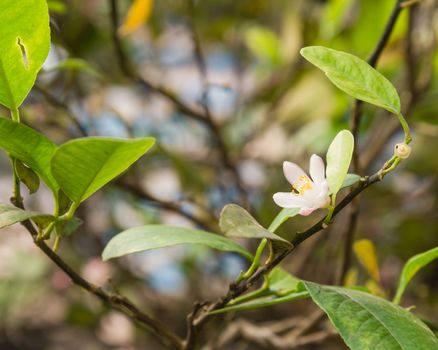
<point x="411" y="268"/>
<point x="354" y="76"/>
<point x="10" y="215"/>
<point x="24" y="43"/>
<point x="29" y="146"/>
<point x="281" y="217"/>
<point x="149" y="237"/>
<point x="338" y="160"/>
<point x="84" y="165"/>
<point x="235" y="221"/>
<point x="367" y="322"/>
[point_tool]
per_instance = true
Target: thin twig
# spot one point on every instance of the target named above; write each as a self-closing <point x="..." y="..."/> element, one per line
<point x="114" y="300"/>
<point x="236" y="290"/>
<point x="355" y="121"/>
<point x="213" y="126"/>
<point x="127" y="69"/>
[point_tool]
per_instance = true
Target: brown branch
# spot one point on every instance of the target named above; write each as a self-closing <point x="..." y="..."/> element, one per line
<point x="139" y="192"/>
<point x="355" y="121"/>
<point x="213" y="126"/>
<point x="55" y="102"/>
<point x="114" y="300"/>
<point x="236" y="290"/>
<point x="127" y="69"/>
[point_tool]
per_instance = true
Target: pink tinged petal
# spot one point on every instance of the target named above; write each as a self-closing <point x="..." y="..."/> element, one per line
<point x="289" y="200"/>
<point x="317" y="169"/>
<point x="292" y="172"/>
<point x="306" y="211"/>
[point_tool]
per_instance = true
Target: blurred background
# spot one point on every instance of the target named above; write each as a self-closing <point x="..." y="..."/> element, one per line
<point x="222" y="87"/>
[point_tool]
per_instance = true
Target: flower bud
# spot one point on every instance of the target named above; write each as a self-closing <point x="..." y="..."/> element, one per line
<point x="402" y="150"/>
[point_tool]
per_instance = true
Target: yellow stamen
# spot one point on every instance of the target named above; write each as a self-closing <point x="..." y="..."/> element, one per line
<point x="302" y="185"/>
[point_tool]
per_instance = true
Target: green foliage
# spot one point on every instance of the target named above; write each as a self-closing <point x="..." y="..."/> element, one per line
<point x="149" y="237"/>
<point x="83" y="166"/>
<point x="237" y="222"/>
<point x="27" y="176"/>
<point x="338" y="160"/>
<point x="350" y="180"/>
<point x="367" y="322"/>
<point x="280" y="287"/>
<point x="10" y="215"/>
<point x="29" y="146"/>
<point x="281" y="217"/>
<point x="24" y="43"/>
<point x="411" y="268"/>
<point x="354" y="76"/>
<point x="264" y="44"/>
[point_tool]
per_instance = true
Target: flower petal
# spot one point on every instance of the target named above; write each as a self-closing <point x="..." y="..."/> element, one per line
<point x="289" y="200"/>
<point x="306" y="211"/>
<point x="317" y="169"/>
<point x="292" y="172"/>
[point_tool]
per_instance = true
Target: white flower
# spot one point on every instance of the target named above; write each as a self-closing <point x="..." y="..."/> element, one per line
<point x="306" y="194"/>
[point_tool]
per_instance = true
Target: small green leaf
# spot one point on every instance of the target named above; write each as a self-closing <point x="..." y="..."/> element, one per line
<point x="367" y="322"/>
<point x="283" y="287"/>
<point x="24" y="43"/>
<point x="67" y="227"/>
<point x="29" y="146"/>
<point x="354" y="76"/>
<point x="10" y="215"/>
<point x="338" y="160"/>
<point x="350" y="180"/>
<point x="84" y="165"/>
<point x="149" y="237"/>
<point x="411" y="268"/>
<point x="266" y="301"/>
<point x="281" y="281"/>
<point x="281" y="217"/>
<point x="237" y="222"/>
<point x="27" y="176"/>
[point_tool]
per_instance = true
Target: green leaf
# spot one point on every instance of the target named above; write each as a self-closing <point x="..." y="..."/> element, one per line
<point x="338" y="160"/>
<point x="258" y="303"/>
<point x="354" y="76"/>
<point x="235" y="221"/>
<point x="27" y="176"/>
<point x="67" y="227"/>
<point x="367" y="322"/>
<point x="281" y="281"/>
<point x="283" y="287"/>
<point x="84" y="165"/>
<point x="10" y="215"/>
<point x="350" y="180"/>
<point x="24" y="43"/>
<point x="281" y="217"/>
<point x="29" y="146"/>
<point x="411" y="268"/>
<point x="149" y="237"/>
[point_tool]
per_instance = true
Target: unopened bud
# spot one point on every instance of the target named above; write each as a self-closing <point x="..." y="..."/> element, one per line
<point x="402" y="150"/>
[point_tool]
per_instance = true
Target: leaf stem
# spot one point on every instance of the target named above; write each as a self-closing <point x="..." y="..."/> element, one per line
<point x="255" y="263"/>
<point x="15" y="115"/>
<point x="405" y="126"/>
